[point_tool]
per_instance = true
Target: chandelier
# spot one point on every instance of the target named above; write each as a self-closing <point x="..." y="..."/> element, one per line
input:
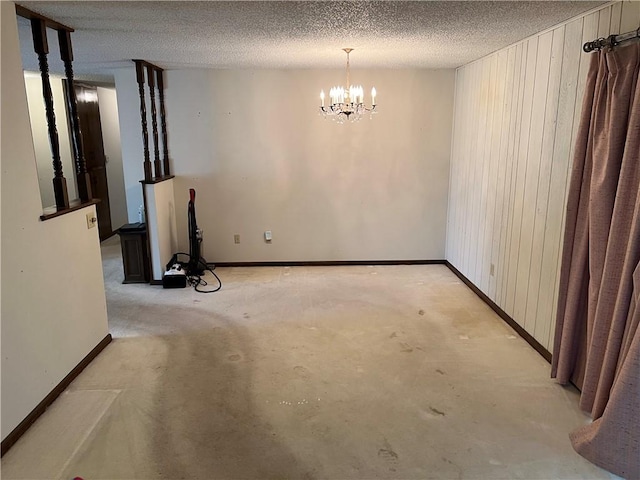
<point x="347" y="103"/>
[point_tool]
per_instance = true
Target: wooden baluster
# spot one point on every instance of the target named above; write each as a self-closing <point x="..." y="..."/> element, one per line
<point x="163" y="122"/>
<point x="143" y="118"/>
<point x="154" y="122"/>
<point x="39" y="32"/>
<point x="83" y="179"/>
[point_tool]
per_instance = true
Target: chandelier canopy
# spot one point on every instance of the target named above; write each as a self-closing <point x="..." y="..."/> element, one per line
<point x="347" y="103"/>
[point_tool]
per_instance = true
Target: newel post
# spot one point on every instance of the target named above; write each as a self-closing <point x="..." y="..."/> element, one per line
<point x="143" y="118"/>
<point x="163" y="120"/>
<point x="154" y="122"/>
<point x="83" y="179"/>
<point x="41" y="47"/>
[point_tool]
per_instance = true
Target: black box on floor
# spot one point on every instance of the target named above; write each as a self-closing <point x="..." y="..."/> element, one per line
<point x="175" y="277"/>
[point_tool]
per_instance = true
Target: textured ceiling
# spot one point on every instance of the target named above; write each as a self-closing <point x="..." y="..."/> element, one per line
<point x="292" y="34"/>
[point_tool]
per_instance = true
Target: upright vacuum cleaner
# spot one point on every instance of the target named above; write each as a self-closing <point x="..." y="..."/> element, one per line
<point x="178" y="273"/>
<point x="197" y="265"/>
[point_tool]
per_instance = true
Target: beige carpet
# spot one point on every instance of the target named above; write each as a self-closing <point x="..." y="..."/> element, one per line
<point x="308" y="373"/>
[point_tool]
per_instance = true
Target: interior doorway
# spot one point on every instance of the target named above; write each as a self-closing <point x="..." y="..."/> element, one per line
<point x="91" y="127"/>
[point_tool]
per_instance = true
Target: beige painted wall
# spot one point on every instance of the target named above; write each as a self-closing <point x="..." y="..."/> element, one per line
<point x="161" y="226"/>
<point x="108" y="104"/>
<point x="260" y="157"/>
<point x="53" y="303"/>
<point x="516" y="117"/>
<point x="130" y="139"/>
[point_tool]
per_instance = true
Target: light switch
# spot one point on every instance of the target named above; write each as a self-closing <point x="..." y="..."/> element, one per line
<point x="267" y="236"/>
<point x="92" y="221"/>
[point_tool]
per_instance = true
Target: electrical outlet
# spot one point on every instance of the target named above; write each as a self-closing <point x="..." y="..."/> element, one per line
<point x="267" y="236"/>
<point x="492" y="270"/>
<point x="92" y="221"/>
<point x="236" y="238"/>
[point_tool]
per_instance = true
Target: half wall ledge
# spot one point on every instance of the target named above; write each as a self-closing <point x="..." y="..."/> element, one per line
<point x="155" y="180"/>
<point x="52" y="212"/>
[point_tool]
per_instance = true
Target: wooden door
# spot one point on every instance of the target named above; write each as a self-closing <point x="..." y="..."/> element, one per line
<point x="89" y="115"/>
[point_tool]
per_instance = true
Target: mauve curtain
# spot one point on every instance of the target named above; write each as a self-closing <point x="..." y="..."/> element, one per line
<point x="597" y="340"/>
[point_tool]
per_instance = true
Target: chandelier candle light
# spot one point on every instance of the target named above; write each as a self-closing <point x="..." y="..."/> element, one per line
<point x="347" y="103"/>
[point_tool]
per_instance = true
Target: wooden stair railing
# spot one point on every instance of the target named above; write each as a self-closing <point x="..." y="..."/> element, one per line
<point x="152" y="76"/>
<point x="39" y="25"/>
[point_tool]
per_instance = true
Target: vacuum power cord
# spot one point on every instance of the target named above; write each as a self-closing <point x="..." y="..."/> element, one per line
<point x="196" y="281"/>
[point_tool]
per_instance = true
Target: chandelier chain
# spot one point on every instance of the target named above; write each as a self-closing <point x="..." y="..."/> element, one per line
<point x="348" y="50"/>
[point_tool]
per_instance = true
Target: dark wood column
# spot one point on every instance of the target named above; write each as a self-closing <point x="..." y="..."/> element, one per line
<point x="163" y="123"/>
<point x="83" y="179"/>
<point x="143" y="118"/>
<point x="157" y="168"/>
<point x="39" y="32"/>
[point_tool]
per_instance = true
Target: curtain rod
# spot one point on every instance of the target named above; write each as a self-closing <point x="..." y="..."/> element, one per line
<point x="611" y="41"/>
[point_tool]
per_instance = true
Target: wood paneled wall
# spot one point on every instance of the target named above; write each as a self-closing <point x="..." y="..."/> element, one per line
<point x="515" y="119"/>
